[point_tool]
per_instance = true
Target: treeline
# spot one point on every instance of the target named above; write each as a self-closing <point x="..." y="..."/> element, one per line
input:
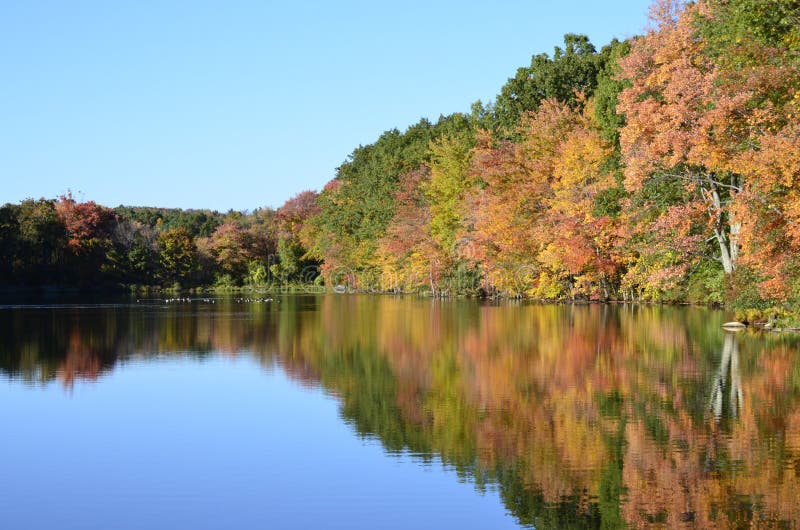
<point x="83" y="244"/>
<point x="664" y="167"/>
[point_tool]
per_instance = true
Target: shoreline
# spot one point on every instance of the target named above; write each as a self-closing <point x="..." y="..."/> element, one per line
<point x="58" y="291"/>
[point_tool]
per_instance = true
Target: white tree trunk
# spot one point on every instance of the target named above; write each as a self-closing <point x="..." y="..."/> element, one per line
<point x="728" y="242"/>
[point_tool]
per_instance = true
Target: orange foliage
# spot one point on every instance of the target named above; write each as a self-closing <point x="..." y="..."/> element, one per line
<point x="534" y="229"/>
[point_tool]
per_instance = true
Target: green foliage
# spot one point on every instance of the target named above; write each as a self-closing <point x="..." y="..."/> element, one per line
<point x="607" y="202"/>
<point x="658" y="194"/>
<point x="739" y="23"/>
<point x="356" y="208"/>
<point x="41" y="236"/>
<point x="198" y="223"/>
<point x="742" y="291"/>
<point x="257" y="274"/>
<point x="224" y="282"/>
<point x="290" y="256"/>
<point x="572" y="69"/>
<point x="140" y="261"/>
<point x="9" y="238"/>
<point x="609" y="86"/>
<point x="706" y="284"/>
<point x="450" y="182"/>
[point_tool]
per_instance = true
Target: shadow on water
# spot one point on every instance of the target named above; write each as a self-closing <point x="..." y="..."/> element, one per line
<point x="581" y="417"/>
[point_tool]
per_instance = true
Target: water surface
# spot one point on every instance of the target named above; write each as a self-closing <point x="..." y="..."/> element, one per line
<point x="348" y="411"/>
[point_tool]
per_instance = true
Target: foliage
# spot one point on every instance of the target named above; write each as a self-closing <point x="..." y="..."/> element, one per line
<point x="665" y="167"/>
<point x="718" y="116"/>
<point x="357" y="206"/>
<point x="572" y="70"/>
<point x="177" y="255"/>
<point x="549" y="179"/>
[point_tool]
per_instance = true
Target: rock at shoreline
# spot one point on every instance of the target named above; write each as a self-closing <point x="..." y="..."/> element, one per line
<point x="734" y="326"/>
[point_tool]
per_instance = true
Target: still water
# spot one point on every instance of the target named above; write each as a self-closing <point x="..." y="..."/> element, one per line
<point x="347" y="411"/>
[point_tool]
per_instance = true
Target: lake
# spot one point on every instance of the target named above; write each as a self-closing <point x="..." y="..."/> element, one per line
<point x="358" y="411"/>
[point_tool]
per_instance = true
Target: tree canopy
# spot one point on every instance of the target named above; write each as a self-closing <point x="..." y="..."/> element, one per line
<point x="663" y="167"/>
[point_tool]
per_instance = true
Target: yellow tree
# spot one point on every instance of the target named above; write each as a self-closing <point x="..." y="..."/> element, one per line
<point x="535" y="228"/>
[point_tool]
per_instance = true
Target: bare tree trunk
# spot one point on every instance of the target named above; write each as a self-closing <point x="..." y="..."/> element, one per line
<point x="735" y="225"/>
<point x="728" y="242"/>
<point x="734" y="242"/>
<point x="728" y="264"/>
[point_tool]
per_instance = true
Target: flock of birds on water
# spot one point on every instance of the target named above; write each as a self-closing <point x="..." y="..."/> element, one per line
<point x="206" y="300"/>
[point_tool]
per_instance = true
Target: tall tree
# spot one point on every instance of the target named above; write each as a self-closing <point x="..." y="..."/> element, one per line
<point x="718" y="122"/>
<point x="42" y="238"/>
<point x="535" y="230"/>
<point x="178" y="257"/>
<point x="573" y="69"/>
<point x="405" y="251"/>
<point x="356" y="208"/>
<point x="89" y="228"/>
<point x="291" y="220"/>
<point x="447" y="192"/>
<point x="230" y="245"/>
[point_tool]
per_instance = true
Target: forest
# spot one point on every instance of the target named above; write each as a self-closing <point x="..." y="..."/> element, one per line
<point x="662" y="168"/>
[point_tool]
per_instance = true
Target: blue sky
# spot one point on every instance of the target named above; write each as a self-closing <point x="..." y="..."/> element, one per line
<point x="242" y="104"/>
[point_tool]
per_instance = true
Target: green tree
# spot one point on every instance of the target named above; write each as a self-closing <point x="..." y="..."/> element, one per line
<point x="42" y="238"/>
<point x="357" y="206"/>
<point x="609" y="86"/>
<point x="9" y="242"/>
<point x="572" y="70"/>
<point x="449" y="184"/>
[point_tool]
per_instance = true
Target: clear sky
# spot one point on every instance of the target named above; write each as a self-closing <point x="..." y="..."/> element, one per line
<point x="241" y="104"/>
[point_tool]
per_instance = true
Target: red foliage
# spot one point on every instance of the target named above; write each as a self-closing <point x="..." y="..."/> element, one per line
<point x="87" y="224"/>
<point x="293" y="214"/>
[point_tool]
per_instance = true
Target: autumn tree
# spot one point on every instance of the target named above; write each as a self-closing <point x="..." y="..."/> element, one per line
<point x="89" y="229"/>
<point x="536" y="228"/>
<point x="756" y="47"/>
<point x="291" y="219"/>
<point x="721" y="131"/>
<point x="404" y="251"/>
<point x="178" y="257"/>
<point x="263" y="235"/>
<point x="230" y="246"/>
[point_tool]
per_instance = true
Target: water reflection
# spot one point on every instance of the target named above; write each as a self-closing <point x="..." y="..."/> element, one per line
<point x="727" y="376"/>
<point x="589" y="416"/>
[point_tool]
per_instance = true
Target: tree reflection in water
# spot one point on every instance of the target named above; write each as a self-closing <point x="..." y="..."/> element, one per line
<point x="590" y="416"/>
<point x="727" y="376"/>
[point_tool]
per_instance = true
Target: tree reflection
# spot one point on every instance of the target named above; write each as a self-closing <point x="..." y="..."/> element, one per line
<point x="727" y="376"/>
<point x="591" y="416"/>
